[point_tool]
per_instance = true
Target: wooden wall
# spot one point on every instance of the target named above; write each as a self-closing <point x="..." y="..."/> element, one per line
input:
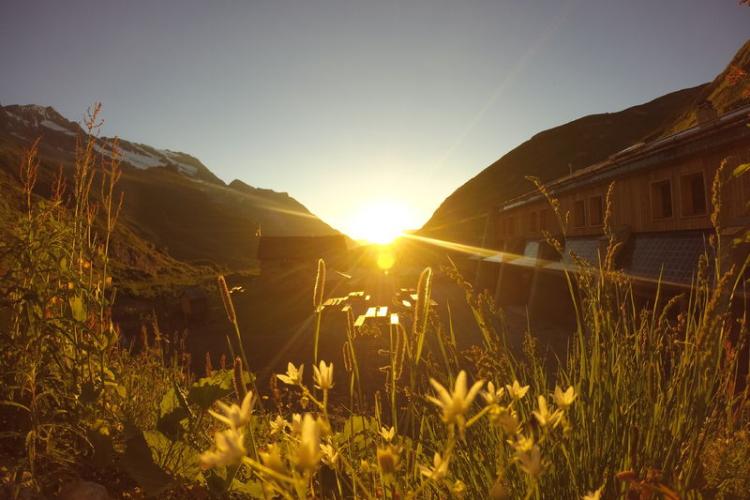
<point x="633" y="198"/>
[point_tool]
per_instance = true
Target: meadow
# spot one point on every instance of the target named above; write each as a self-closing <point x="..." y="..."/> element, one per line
<point x="647" y="402"/>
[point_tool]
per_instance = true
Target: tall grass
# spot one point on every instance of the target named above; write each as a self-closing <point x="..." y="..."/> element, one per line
<point x="647" y="402"/>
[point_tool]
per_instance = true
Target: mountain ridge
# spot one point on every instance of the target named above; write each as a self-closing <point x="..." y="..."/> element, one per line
<point x="560" y="150"/>
<point x="172" y="200"/>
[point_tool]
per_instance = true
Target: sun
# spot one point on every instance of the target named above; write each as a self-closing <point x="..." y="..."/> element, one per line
<point x="380" y="221"/>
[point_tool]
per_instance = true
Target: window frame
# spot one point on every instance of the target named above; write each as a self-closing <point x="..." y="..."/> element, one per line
<point x="683" y="178"/>
<point x="652" y="186"/>
<point x="576" y="204"/>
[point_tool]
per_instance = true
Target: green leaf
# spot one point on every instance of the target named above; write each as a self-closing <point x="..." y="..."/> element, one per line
<point x="250" y="489"/>
<point x="175" y="457"/>
<point x="741" y="169"/>
<point x="77" y="308"/>
<point x="208" y="390"/>
<point x="138" y="462"/>
<point x="358" y="432"/>
<point x="171" y="416"/>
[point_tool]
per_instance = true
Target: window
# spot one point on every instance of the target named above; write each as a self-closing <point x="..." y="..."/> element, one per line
<point x="579" y="213"/>
<point x="533" y="222"/>
<point x="693" y="190"/>
<point x="596" y="211"/>
<point x="661" y="199"/>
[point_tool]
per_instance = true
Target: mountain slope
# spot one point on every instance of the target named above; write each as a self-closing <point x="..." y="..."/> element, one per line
<point x="560" y="150"/>
<point x="172" y="200"/>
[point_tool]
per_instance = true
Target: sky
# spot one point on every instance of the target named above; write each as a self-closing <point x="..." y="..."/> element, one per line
<point x="349" y="104"/>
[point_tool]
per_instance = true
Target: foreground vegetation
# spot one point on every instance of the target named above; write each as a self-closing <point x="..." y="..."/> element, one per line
<point x="649" y="402"/>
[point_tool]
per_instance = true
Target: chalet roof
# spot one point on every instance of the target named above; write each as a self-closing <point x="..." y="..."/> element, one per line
<point x="300" y="247"/>
<point x="725" y="129"/>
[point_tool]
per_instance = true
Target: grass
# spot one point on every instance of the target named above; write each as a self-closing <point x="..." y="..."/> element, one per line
<point x="647" y="402"/>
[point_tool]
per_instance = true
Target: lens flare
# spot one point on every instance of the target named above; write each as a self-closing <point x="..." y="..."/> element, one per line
<point x="386" y="258"/>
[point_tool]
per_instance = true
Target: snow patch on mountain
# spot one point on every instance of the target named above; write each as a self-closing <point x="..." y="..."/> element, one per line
<point x="54" y="126"/>
<point x="175" y="159"/>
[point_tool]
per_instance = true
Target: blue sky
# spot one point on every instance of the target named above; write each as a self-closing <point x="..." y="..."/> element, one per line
<point x="343" y="102"/>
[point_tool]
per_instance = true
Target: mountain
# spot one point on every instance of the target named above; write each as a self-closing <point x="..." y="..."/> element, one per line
<point x="560" y="150"/>
<point x="172" y="200"/>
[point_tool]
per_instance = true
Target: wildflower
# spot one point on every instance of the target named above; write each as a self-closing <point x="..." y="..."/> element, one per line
<point x="230" y="448"/>
<point x="564" y="399"/>
<point x="438" y="470"/>
<point x="594" y="495"/>
<point x="387" y="433"/>
<point x="516" y="391"/>
<point x="523" y="443"/>
<point x="530" y="460"/>
<point x="235" y="416"/>
<point x="293" y="374"/>
<point x="278" y="424"/>
<point x="389" y="459"/>
<point x="365" y="466"/>
<point x="330" y="456"/>
<point x="458" y="488"/>
<point x="507" y="419"/>
<point x="455" y="405"/>
<point x="544" y="416"/>
<point x="296" y="423"/>
<point x="323" y="376"/>
<point x="307" y="454"/>
<point x="492" y="395"/>
<point x="271" y="458"/>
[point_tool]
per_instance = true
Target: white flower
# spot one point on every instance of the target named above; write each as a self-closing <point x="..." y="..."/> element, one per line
<point x="530" y="460"/>
<point x="278" y="424"/>
<point x="235" y="416"/>
<point x="544" y="416"/>
<point x="330" y="455"/>
<point x="307" y="455"/>
<point x="507" y="419"/>
<point x="387" y="433"/>
<point x="389" y="459"/>
<point x="230" y="448"/>
<point x="323" y="376"/>
<point x="492" y="395"/>
<point x="516" y="391"/>
<point x="293" y="374"/>
<point x="594" y="495"/>
<point x="271" y="458"/>
<point x="564" y="399"/>
<point x="296" y="423"/>
<point x="523" y="443"/>
<point x="455" y="405"/>
<point x="458" y="488"/>
<point x="438" y="470"/>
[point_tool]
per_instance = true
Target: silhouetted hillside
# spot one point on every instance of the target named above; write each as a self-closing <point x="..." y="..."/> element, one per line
<point x="172" y="201"/>
<point x="560" y="150"/>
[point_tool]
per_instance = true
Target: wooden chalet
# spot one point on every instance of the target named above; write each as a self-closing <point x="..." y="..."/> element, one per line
<point x="661" y="207"/>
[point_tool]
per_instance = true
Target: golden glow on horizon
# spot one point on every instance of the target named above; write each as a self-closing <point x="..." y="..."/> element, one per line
<point x="380" y="222"/>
